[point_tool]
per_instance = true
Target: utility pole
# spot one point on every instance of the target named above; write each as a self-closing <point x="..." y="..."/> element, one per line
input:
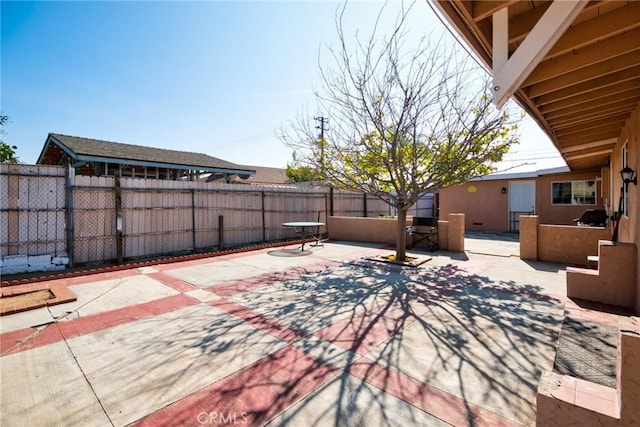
<point x="321" y="126"/>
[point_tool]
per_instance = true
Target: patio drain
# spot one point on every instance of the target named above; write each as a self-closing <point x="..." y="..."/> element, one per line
<point x="587" y="350"/>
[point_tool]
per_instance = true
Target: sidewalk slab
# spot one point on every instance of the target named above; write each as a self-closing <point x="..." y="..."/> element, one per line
<point x="319" y="339"/>
<point x="45" y="386"/>
<point x="348" y="401"/>
<point x="101" y="296"/>
<point x="146" y="365"/>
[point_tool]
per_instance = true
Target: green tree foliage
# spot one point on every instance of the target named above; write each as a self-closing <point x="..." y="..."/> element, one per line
<point x="303" y="173"/>
<point x="297" y="172"/>
<point x="404" y="122"/>
<point x="7" y="152"/>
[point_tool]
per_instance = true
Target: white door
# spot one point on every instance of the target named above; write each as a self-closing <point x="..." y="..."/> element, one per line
<point x="522" y="201"/>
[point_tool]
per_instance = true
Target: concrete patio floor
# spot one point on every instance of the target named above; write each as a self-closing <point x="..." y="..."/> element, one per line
<point x="255" y="338"/>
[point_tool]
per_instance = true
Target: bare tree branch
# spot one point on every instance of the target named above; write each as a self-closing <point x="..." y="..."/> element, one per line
<point x="404" y="120"/>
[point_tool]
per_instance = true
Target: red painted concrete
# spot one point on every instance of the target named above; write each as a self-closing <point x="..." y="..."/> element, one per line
<point x="434" y="401"/>
<point x="172" y="282"/>
<point x="251" y="396"/>
<point x="14" y="341"/>
<point x="259" y="321"/>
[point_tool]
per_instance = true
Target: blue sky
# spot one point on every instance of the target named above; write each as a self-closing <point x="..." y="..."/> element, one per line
<point x="209" y="76"/>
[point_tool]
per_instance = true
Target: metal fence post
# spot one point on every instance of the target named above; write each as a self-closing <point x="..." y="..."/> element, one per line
<point x="68" y="194"/>
<point x="193" y="218"/>
<point x="264" y="221"/>
<point x="118" y="194"/>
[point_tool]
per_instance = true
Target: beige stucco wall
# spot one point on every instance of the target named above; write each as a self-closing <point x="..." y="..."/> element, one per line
<point x="569" y="244"/>
<point x="358" y="229"/>
<point x="383" y="230"/>
<point x="563" y="214"/>
<point x="487" y="209"/>
<point x="615" y="280"/>
<point x="630" y="225"/>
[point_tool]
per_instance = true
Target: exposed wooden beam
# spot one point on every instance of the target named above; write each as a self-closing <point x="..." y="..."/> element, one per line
<point x="585" y="57"/>
<point x="582" y="156"/>
<point x="625" y="88"/>
<point x="602" y="27"/>
<point x="589" y="136"/>
<point x="535" y="46"/>
<point x="585" y="88"/>
<point x="520" y="25"/>
<point x="613" y="105"/>
<point x="591" y="145"/>
<point x="614" y="65"/>
<point x="584" y="116"/>
<point x="611" y="122"/>
<point x="483" y="9"/>
<point x="602" y="104"/>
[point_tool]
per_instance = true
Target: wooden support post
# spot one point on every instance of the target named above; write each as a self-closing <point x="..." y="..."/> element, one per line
<point x="331" y="201"/>
<point x="221" y="232"/>
<point x="364" y="204"/>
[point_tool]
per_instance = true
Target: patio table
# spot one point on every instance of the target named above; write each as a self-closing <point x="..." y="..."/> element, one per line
<point x="304" y="229"/>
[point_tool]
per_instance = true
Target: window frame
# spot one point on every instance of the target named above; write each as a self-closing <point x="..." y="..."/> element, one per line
<point x="572" y="182"/>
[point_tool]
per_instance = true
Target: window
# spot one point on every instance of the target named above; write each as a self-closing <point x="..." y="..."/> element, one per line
<point x="573" y="193"/>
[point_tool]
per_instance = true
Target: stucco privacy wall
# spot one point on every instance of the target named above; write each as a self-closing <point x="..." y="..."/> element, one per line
<point x="383" y="230"/>
<point x="486" y="207"/>
<point x="358" y="229"/>
<point x="614" y="282"/>
<point x="569" y="244"/>
<point x="562" y="244"/>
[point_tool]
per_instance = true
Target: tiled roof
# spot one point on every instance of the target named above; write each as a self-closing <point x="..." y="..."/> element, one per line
<point x="116" y="150"/>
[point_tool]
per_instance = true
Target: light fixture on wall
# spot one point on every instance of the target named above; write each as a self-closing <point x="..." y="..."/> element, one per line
<point x="628" y="175"/>
<point x="503" y="190"/>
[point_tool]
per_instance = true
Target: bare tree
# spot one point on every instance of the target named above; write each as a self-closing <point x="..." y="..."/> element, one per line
<point x="403" y="121"/>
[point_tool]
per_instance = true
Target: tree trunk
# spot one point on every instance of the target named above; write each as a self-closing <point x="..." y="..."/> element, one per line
<point x="401" y="236"/>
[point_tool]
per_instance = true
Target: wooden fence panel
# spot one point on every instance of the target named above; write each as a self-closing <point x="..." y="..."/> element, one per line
<point x="31" y="214"/>
<point x="158" y="216"/>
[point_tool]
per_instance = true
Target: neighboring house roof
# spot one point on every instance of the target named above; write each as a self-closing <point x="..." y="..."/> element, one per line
<point x="94" y="150"/>
<point x="523" y="175"/>
<point x="573" y="66"/>
<point x="267" y="175"/>
<point x="263" y="175"/>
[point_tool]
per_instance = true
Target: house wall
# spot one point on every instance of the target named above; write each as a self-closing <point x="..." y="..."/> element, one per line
<point x="629" y="230"/>
<point x="487" y="209"/>
<point x="563" y="214"/>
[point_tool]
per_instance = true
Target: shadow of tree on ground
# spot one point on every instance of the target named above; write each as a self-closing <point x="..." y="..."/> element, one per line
<point x="347" y="345"/>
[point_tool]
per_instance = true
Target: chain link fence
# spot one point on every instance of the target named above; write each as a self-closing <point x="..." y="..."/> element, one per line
<point x="63" y="219"/>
